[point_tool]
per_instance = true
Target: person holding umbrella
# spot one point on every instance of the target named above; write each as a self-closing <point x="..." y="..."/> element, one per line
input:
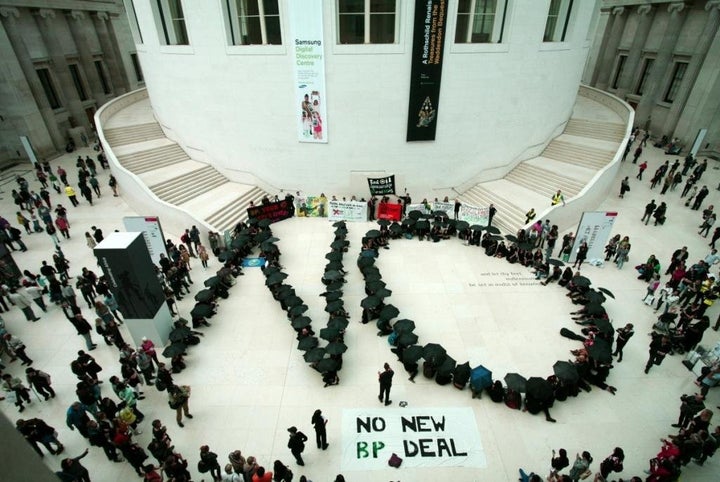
<point x="385" y="379"/>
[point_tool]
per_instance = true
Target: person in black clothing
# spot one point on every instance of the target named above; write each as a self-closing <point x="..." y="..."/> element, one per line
<point x="649" y="210"/>
<point x="581" y="255"/>
<point x="40" y="381"/>
<point x="319" y="423"/>
<point x="385" y="379"/>
<point x="97" y="234"/>
<point x="491" y="213"/>
<point x="296" y="444"/>
<point x="659" y="214"/>
<point x="659" y="347"/>
<point x="623" y="335"/>
<point x="72" y="469"/>
<point x="699" y="198"/>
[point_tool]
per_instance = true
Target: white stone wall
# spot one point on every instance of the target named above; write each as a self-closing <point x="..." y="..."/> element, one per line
<point x="236" y="109"/>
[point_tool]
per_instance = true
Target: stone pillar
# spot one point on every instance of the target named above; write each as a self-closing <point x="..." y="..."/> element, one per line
<point x="110" y="55"/>
<point x="66" y="87"/>
<point x="699" y="54"/>
<point x="9" y="16"/>
<point x="605" y="68"/>
<point x="634" y="59"/>
<point x="78" y="29"/>
<point x="607" y="19"/>
<point x="652" y="92"/>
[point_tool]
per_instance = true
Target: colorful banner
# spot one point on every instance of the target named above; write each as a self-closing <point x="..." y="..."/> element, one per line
<point x="347" y="211"/>
<point x="473" y="214"/>
<point x="306" y="27"/>
<point x="276" y="211"/>
<point x="421" y="437"/>
<point x="426" y="65"/>
<point x="390" y="211"/>
<point x="150" y="227"/>
<point x="449" y="208"/>
<point x="381" y="186"/>
<point x="312" y="207"/>
<point x="594" y="229"/>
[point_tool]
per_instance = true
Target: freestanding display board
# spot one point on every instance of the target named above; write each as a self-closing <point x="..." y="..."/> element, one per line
<point x="125" y="261"/>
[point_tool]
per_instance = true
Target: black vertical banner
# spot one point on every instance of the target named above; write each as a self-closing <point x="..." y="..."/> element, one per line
<point x="427" y="58"/>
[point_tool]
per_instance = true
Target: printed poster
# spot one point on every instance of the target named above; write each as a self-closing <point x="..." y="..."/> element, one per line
<point x="306" y="18"/>
<point x="474" y="214"/>
<point x="312" y="207"/>
<point x="353" y="211"/>
<point x="151" y="230"/>
<point x="381" y="186"/>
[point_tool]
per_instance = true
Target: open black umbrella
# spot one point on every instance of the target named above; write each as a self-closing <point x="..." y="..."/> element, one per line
<point x="340" y="233"/>
<point x="179" y="334"/>
<point x="600" y="351"/>
<point x="264" y="223"/>
<point x="326" y="365"/>
<point x="201" y="310"/>
<point x="329" y="334"/>
<point x="383" y="222"/>
<point x="293" y="301"/>
<point x="461" y="375"/>
<point x="364" y="261"/>
<point x="212" y="281"/>
<point x="307" y="343"/>
<point x="240" y="242"/>
<point x="226" y="256"/>
<point x="275" y="279"/>
<point x="262" y="236"/>
<point x="406" y="339"/>
<point x="409" y="222"/>
<point x="496" y="237"/>
<point x="372" y="269"/>
<point x="333" y="275"/>
<point x="555" y="262"/>
<point x="373" y="277"/>
<point x="375" y="285"/>
<point x="334" y="286"/>
<point x="338" y="323"/>
<point x="339" y="244"/>
<point x="512" y="238"/>
<point x="477" y="227"/>
<point x="301" y="322"/>
<point x="339" y="224"/>
<point x="395" y="228"/>
<point x="447" y="367"/>
<point x="270" y="270"/>
<point x="492" y="230"/>
<point x="515" y="381"/>
<point x="383" y="293"/>
<point x="269" y="247"/>
<point x="336" y="348"/>
<point x="595" y="297"/>
<point x="420" y="225"/>
<point x="285" y="291"/>
<point x="604" y="326"/>
<point x="526" y="246"/>
<point x="297" y="310"/>
<point x="607" y="292"/>
<point x="412" y="354"/>
<point x="581" y="281"/>
<point x="177" y="348"/>
<point x="566" y="371"/>
<point x="373" y="233"/>
<point x="594" y="309"/>
<point x="334" y="255"/>
<point x="371" y="302"/>
<point x="314" y="355"/>
<point x="434" y="353"/>
<point x="462" y="225"/>
<point x="440" y="214"/>
<point x="334" y="266"/>
<point x="403" y="326"/>
<point x="389" y="312"/>
<point x="204" y="295"/>
<point x="333" y="295"/>
<point x="415" y="214"/>
<point x="333" y="306"/>
<point x="539" y="389"/>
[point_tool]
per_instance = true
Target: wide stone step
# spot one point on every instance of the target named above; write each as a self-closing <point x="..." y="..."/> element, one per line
<point x="180" y="183"/>
<point x="131" y="134"/>
<point x="596" y="130"/>
<point x="192" y="190"/>
<point x="236" y="211"/>
<point x="509" y="217"/>
<point x="543" y="181"/>
<point x="153" y="158"/>
<point x="579" y="155"/>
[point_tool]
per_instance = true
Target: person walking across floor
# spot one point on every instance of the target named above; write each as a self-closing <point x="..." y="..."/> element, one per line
<point x="624" y="187"/>
<point x="296" y="444"/>
<point x="72" y="195"/>
<point x="643" y="165"/>
<point x="623" y="336"/>
<point x="385" y="379"/>
<point x="319" y="424"/>
<point x="21" y="301"/>
<point x="40" y="381"/>
<point x="15" y="385"/>
<point x="178" y="397"/>
<point x="649" y="210"/>
<point x="659" y="347"/>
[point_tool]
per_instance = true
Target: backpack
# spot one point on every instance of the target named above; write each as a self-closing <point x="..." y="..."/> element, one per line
<point x="160" y="384"/>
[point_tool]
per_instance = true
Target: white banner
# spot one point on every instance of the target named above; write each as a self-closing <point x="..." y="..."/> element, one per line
<point x="422" y="437"/>
<point x="29" y="151"/>
<point x="347" y="211"/>
<point x="306" y="27"/>
<point x="473" y="214"/>
<point x="416" y="207"/>
<point x="594" y="229"/>
<point x="449" y="208"/>
<point x="150" y="227"/>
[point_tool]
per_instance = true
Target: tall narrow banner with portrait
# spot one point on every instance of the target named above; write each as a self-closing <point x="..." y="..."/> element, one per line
<point x="426" y="69"/>
<point x="594" y="229"/>
<point x="306" y="17"/>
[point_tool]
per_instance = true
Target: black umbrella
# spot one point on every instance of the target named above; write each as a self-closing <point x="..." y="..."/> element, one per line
<point x="383" y="222"/>
<point x="334" y="266"/>
<point x="339" y="224"/>
<point x="373" y="277"/>
<point x="293" y="301"/>
<point x="375" y="285"/>
<point x="334" y="286"/>
<point x="314" y="355"/>
<point x="600" y="351"/>
<point x="225" y="256"/>
<point x="336" y="348"/>
<point x="403" y="326"/>
<point x="515" y="381"/>
<point x="333" y="275"/>
<point x="539" y="389"/>
<point x="555" y="262"/>
<point x="594" y="309"/>
<point x="329" y="334"/>
<point x="262" y="236"/>
<point x="407" y="339"/>
<point x="434" y="353"/>
<point x="307" y="343"/>
<point x="420" y="225"/>
<point x="383" y="293"/>
<point x="297" y="310"/>
<point x="395" y="228"/>
<point x="179" y="334"/>
<point x="365" y="260"/>
<point x="270" y="270"/>
<point x="526" y="246"/>
<point x="492" y="230"/>
<point x="366" y="270"/>
<point x="412" y="354"/>
<point x="175" y="349"/>
<point x="333" y="306"/>
<point x="264" y="223"/>
<point x="334" y="255"/>
<point x="415" y="214"/>
<point x="595" y="297"/>
<point x="240" y="242"/>
<point x="461" y="375"/>
<point x="566" y="371"/>
<point x="339" y="244"/>
<point x="477" y="227"/>
<point x="201" y="311"/>
<point x="461" y="225"/>
<point x="204" y="295"/>
<point x="389" y="312"/>
<point x="409" y="222"/>
<point x="447" y="367"/>
<point x="326" y="365"/>
<point x="275" y="279"/>
<point x="373" y="233"/>
<point x="512" y="238"/>
<point x="338" y="323"/>
<point x="285" y="291"/>
<point x="269" y="247"/>
<point x="301" y="322"/>
<point x="603" y="325"/>
<point x="607" y="292"/>
<point x="340" y="232"/>
<point x="581" y="281"/>
<point x="212" y="281"/>
<point x="371" y="302"/>
<point x="333" y="295"/>
<point x="496" y="237"/>
<point x="442" y="214"/>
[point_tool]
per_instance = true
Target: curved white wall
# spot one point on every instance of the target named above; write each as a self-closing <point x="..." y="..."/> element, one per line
<point x="234" y="107"/>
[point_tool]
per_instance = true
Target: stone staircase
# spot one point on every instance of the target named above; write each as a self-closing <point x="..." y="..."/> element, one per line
<point x="228" y="216"/>
<point x="509" y="216"/>
<point x="543" y="180"/>
<point x="591" y="157"/>
<point x="189" y="185"/>
<point x="120" y="136"/>
<point x="151" y="159"/>
<point x="606" y="131"/>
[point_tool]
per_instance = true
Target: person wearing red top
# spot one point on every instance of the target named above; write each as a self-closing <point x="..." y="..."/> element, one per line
<point x="262" y="476"/>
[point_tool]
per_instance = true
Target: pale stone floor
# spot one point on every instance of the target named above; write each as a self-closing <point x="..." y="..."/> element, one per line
<point x="250" y="383"/>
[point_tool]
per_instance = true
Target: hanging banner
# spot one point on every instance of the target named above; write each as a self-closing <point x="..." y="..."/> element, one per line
<point x="426" y="69"/>
<point x="150" y="227"/>
<point x="389" y="211"/>
<point x="422" y="437"/>
<point x="594" y="229"/>
<point x="312" y="207"/>
<point x="276" y="211"/>
<point x="29" y="151"/>
<point x="417" y="207"/>
<point x="306" y="27"/>
<point x="474" y="215"/>
<point x="347" y="211"/>
<point x="448" y="207"/>
<point x="381" y="186"/>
